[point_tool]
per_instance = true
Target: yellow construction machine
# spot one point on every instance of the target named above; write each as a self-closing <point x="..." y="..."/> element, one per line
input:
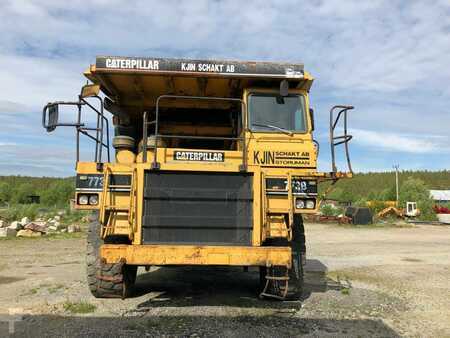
<point x="214" y="164"/>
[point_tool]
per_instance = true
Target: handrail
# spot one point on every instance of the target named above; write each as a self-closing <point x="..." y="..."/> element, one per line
<point x="155" y="163"/>
<point x="102" y="211"/>
<point x="342" y="139"/>
<point x="133" y="204"/>
<point x="101" y="119"/>
<point x="81" y="128"/>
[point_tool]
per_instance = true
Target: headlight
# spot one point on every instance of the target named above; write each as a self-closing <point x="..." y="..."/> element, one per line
<point x="310" y="204"/>
<point x="93" y="199"/>
<point x="83" y="199"/>
<point x="300" y="204"/>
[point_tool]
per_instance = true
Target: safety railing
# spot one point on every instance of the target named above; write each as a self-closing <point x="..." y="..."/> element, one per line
<point x="341" y="139"/>
<point x="50" y="116"/>
<point x="157" y="136"/>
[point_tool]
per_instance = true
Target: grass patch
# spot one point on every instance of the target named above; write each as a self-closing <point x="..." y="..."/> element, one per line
<point x="55" y="288"/>
<point x="345" y="291"/>
<point x="79" y="307"/>
<point x="20" y="238"/>
<point x="50" y="236"/>
<point x="32" y="291"/>
<point x="74" y="216"/>
<point x="64" y="235"/>
<point x="33" y="211"/>
<point x="359" y="275"/>
<point x="375" y="225"/>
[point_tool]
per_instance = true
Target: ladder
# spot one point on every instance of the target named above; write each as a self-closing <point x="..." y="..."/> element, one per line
<point x="108" y="208"/>
<point x="278" y="211"/>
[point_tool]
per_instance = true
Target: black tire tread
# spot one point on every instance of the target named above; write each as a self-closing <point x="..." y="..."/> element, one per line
<point x="104" y="280"/>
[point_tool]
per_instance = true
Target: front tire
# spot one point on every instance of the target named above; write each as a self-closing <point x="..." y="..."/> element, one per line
<point x="114" y="280"/>
<point x="295" y="274"/>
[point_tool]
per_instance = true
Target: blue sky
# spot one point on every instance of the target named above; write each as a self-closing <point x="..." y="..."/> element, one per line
<point x="390" y="59"/>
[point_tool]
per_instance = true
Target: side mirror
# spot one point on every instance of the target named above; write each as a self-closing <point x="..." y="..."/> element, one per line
<point x="311" y="116"/>
<point x="284" y="88"/>
<point x="50" y="110"/>
<point x="90" y="90"/>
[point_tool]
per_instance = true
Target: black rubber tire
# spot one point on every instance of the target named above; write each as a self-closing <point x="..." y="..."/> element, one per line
<point x="122" y="130"/>
<point x="123" y="142"/>
<point x="106" y="280"/>
<point x="298" y="236"/>
<point x="296" y="273"/>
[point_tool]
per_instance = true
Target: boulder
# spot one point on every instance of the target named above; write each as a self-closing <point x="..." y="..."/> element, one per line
<point x="25" y="220"/>
<point x="57" y="218"/>
<point x="3" y="224"/>
<point x="15" y="226"/>
<point x="61" y="213"/>
<point x="63" y="230"/>
<point x="42" y="223"/>
<point x="7" y="232"/>
<point x="28" y="233"/>
<point x="73" y="228"/>
<point x="36" y="227"/>
<point x="56" y="226"/>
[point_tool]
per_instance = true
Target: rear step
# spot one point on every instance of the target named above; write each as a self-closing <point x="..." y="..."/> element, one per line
<point x="271" y="285"/>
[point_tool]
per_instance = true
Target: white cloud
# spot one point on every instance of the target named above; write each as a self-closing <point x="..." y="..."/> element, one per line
<point x="401" y="142"/>
<point x="29" y="81"/>
<point x="388" y="58"/>
<point x="36" y="160"/>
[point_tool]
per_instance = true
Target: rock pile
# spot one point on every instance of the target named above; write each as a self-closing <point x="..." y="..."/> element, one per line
<point x="27" y="228"/>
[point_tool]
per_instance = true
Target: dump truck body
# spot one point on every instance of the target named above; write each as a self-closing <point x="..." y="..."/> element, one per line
<point x="215" y="163"/>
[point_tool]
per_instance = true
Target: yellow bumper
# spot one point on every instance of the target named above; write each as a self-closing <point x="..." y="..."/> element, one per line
<point x="196" y="255"/>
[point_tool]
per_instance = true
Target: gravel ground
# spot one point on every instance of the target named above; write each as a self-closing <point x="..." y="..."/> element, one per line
<point x="380" y="282"/>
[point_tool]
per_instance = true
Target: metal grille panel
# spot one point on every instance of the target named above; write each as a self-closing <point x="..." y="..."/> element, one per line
<point x="197" y="208"/>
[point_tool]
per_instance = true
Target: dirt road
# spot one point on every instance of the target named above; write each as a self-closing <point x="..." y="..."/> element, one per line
<point x="384" y="282"/>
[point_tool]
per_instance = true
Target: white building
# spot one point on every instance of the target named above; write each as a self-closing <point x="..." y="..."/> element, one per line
<point x="440" y="196"/>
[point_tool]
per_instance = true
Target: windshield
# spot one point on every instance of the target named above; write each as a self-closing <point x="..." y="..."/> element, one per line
<point x="272" y="113"/>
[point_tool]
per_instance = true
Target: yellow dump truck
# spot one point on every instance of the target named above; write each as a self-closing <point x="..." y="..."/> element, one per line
<point x="214" y="164"/>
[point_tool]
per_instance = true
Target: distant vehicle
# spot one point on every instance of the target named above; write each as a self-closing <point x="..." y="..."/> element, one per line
<point x="215" y="164"/>
<point x="411" y="209"/>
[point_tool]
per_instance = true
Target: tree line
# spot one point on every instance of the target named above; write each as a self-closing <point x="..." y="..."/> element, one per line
<point x="380" y="186"/>
<point x="363" y="186"/>
<point x="53" y="192"/>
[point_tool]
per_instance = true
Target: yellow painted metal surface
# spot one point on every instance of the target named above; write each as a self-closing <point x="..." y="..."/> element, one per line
<point x="197" y="255"/>
<point x="268" y="155"/>
<point x="125" y="157"/>
<point x="257" y="145"/>
<point x="276" y="227"/>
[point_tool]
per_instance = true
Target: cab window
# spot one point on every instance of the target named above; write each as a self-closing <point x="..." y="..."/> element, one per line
<point x="274" y="113"/>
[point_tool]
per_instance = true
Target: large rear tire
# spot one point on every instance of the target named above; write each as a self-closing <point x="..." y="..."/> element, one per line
<point x="105" y="280"/>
